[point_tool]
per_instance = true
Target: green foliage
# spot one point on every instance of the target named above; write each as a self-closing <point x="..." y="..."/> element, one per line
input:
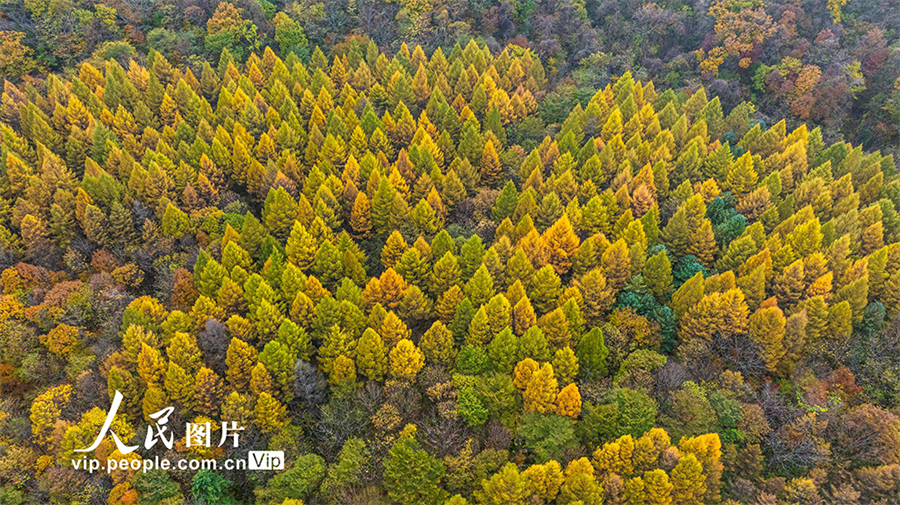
<point x="547" y="435"/>
<point x="208" y="486"/>
<point x="300" y="481"/>
<point x="359" y="241"/>
<point x="411" y="475"/>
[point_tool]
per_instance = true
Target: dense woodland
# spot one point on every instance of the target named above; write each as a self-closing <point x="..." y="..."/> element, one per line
<point x="833" y="63"/>
<point x="439" y="277"/>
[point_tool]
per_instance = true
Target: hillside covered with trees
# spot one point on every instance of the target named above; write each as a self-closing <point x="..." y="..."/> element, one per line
<point x="834" y="63"/>
<point x="439" y="277"/>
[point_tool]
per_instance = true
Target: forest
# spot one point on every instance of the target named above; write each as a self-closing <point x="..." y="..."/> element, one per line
<point x="496" y="265"/>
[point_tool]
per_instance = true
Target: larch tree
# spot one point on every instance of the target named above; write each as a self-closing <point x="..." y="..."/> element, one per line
<point x="766" y="328"/>
<point x="371" y="356"/>
<point x="541" y="390"/>
<point x="437" y="344"/>
<point x="405" y="360"/>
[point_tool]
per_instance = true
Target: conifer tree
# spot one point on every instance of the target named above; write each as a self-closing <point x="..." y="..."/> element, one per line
<point x="523" y="316"/>
<point x="503" y="351"/>
<point x="405" y="360"/>
<point x="208" y="392"/>
<point x="498" y="313"/>
<point x="261" y="381"/>
<point x="179" y="386"/>
<point x="545" y="289"/>
<point x="361" y="217"/>
<point x="371" y="356"/>
<point x="437" y="344"/>
<point x="150" y="365"/>
<point x="301" y="247"/>
<point x="480" y="287"/>
<point x="592" y="352"/>
<point x="597" y="296"/>
<point x="336" y="343"/>
<point x="505" y="486"/>
<point x="490" y="168"/>
<point x="522" y="373"/>
<point x="658" y="275"/>
<point x="270" y="415"/>
<point x="411" y="475"/>
<point x="445" y="274"/>
<point x="562" y="243"/>
<point x="506" y="203"/>
<point x="479" y="332"/>
<point x="533" y="344"/>
<point x="541" y="391"/>
<point x="393" y="249"/>
<point x="544" y="480"/>
<point x="687" y="481"/>
<point x="568" y="402"/>
<point x="766" y="328"/>
<point x="565" y="365"/>
<point x="657" y="488"/>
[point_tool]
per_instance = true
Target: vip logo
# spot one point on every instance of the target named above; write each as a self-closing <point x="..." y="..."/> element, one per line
<point x="265" y="460"/>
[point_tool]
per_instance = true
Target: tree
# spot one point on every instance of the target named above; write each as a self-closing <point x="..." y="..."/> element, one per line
<point x="767" y="329"/>
<point x="228" y="31"/>
<point x="545" y="289"/>
<point x="15" y="57"/>
<point x="523" y="316"/>
<point x="556" y="328"/>
<point x="742" y="177"/>
<point x="446" y="273"/>
<point x="708" y="450"/>
<point x="393" y="249"/>
<point x="361" y="217"/>
<point x="568" y="402"/>
<point x="343" y="372"/>
<point x="480" y="287"/>
<point x="208" y="392"/>
<point x="687" y="481"/>
<point x="279" y="212"/>
<point x="301" y="247"/>
<point x="46" y="410"/>
<point x="278" y="359"/>
<point x="302" y="480"/>
<point x="175" y="222"/>
<point x="688" y="295"/>
<point x="62" y="340"/>
<point x="411" y="475"/>
<point x="580" y="485"/>
<point x="290" y="35"/>
<point x="371" y="356"/>
<point x="636" y="411"/>
<point x="150" y="365"/>
<point x="210" y="487"/>
<point x="658" y="275"/>
<point x="533" y="344"/>
<point x="506" y="203"/>
<point x="405" y="360"/>
<point x="490" y="168"/>
<point x="565" y="365"/>
<point x="506" y="487"/>
<point x="336" y="343"/>
<point x="271" y="415"/>
<point x="592" y="352"/>
<point x="548" y="436"/>
<point x="544" y="480"/>
<point x="541" y="390"/>
<point x="503" y="350"/>
<point x="597" y="295"/>
<point x="562" y="242"/>
<point x="437" y="344"/>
